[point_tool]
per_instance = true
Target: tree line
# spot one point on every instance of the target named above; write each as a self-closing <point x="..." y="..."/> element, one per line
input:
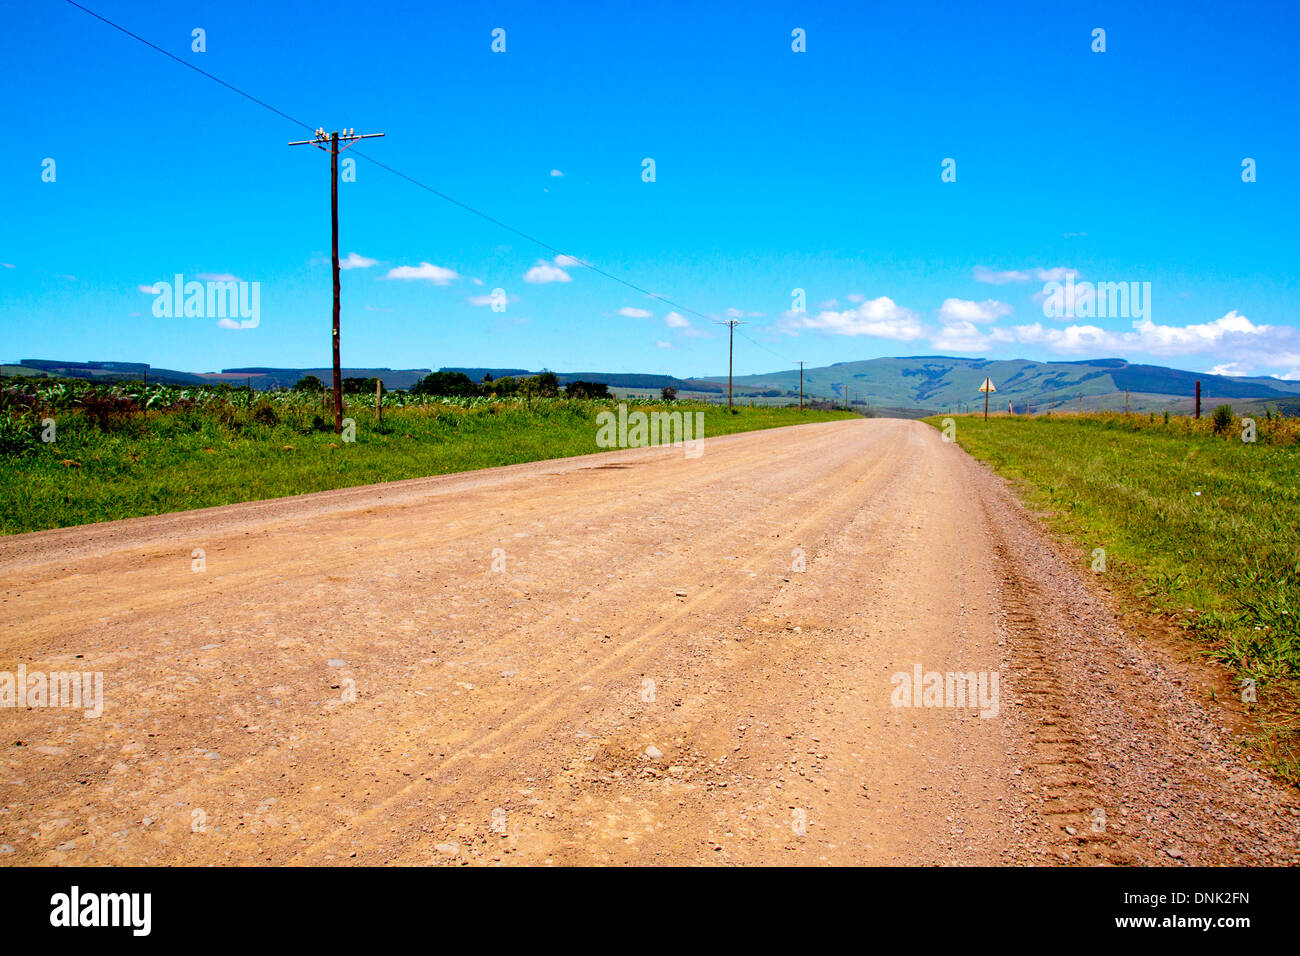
<point x="460" y="385"/>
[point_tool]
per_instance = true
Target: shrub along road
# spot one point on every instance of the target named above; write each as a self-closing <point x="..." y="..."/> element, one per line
<point x="629" y="657"/>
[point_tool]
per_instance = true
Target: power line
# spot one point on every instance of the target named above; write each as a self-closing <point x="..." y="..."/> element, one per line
<point x="765" y="348"/>
<point x="216" y="79"/>
<point x="533" y="239"/>
<point x="567" y="259"/>
<point x="411" y="179"/>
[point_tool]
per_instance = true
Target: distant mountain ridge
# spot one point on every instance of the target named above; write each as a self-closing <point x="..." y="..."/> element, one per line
<point x="938" y="382"/>
<point x="913" y="384"/>
<point x="268" y="377"/>
<point x="616" y="379"/>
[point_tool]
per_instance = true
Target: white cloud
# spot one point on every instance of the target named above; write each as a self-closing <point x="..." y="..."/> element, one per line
<point x="1056" y="274"/>
<point x="227" y="324"/>
<point x="983" y="274"/>
<point x="1075" y="338"/>
<point x="633" y="313"/>
<point x="544" y="272"/>
<point x="8" y="265"/>
<point x="425" y="270"/>
<point x="966" y="310"/>
<point x="675" y="321"/>
<point x="567" y="262"/>
<point x="964" y="336"/>
<point x="734" y="313"/>
<point x="880" y="317"/>
<point x="664" y="345"/>
<point x="354" y="261"/>
<point x="1186" y="340"/>
<point x="856" y="297"/>
<point x="1232" y="340"/>
<point x="1229" y="368"/>
<point x="556" y="173"/>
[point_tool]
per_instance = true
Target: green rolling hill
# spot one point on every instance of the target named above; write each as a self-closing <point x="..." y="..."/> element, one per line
<point x="929" y="383"/>
<point x="909" y="386"/>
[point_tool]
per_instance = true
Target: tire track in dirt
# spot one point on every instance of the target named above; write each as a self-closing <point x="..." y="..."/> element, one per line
<point x="626" y="658"/>
<point x="794" y="501"/>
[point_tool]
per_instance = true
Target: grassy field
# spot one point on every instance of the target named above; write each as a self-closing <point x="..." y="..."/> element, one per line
<point x="139" y="463"/>
<point x="1194" y="522"/>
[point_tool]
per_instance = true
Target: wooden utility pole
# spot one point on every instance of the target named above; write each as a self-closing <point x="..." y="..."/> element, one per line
<point x="330" y="143"/>
<point x="801" y="386"/>
<point x="731" y="338"/>
<point x="379" y="402"/>
<point x="1198" y="399"/>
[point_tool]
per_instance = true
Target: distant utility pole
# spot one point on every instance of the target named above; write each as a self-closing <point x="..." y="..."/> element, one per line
<point x="1198" y="399"/>
<point x="846" y="399"/>
<point x="731" y="338"/>
<point x="1126" y="401"/>
<point x="330" y="143"/>
<point x="801" y="386"/>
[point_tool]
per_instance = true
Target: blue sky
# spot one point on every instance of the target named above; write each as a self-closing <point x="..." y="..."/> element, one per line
<point x="774" y="171"/>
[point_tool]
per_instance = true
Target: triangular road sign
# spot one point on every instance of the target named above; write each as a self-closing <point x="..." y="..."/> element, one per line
<point x="988" y="386"/>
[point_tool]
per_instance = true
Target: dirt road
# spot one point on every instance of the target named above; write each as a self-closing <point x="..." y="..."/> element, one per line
<point x="633" y="657"/>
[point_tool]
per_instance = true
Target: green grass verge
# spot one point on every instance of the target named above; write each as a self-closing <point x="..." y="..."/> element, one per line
<point x="173" y="461"/>
<point x="1194" y="524"/>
